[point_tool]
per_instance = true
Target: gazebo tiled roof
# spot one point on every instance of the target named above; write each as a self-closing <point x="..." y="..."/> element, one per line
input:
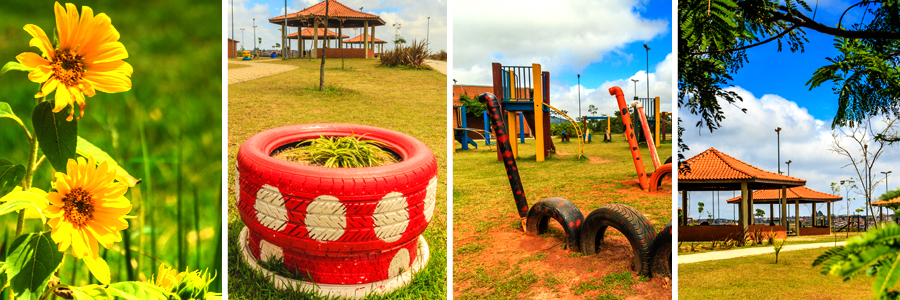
<point x="801" y="193"/>
<point x="307" y="34"/>
<point x="359" y="39"/>
<point x="715" y="170"/>
<point x="336" y="12"/>
<point x="886" y="202"/>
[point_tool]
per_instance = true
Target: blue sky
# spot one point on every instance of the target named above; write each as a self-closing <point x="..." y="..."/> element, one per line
<point x="412" y="15"/>
<point x="601" y="40"/>
<point x="773" y="85"/>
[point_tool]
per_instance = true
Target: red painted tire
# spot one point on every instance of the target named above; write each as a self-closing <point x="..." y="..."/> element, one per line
<point x="317" y="214"/>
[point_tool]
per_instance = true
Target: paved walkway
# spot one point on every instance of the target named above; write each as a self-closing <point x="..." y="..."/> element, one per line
<point x="437" y="65"/>
<point x="728" y="254"/>
<point x="256" y="70"/>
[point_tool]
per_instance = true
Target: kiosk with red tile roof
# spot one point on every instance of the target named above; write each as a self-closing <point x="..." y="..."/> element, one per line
<point x="337" y="16"/>
<point x="797" y="195"/>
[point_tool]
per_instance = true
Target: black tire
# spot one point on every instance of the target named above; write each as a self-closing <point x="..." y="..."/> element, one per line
<point x="627" y="220"/>
<point x="661" y="253"/>
<point x="560" y="210"/>
<point x="668" y="160"/>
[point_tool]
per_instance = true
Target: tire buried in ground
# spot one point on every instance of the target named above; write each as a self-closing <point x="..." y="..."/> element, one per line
<point x="561" y="210"/>
<point x="661" y="253"/>
<point x="339" y="225"/>
<point x="631" y="223"/>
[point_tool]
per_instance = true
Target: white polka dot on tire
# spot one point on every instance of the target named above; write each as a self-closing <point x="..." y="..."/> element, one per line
<point x="430" y="198"/>
<point x="391" y="217"/>
<point x="268" y="252"/>
<point x="399" y="264"/>
<point x="269" y="207"/>
<point x="326" y="218"/>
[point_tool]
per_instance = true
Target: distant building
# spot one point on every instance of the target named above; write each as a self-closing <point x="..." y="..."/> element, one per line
<point x="232" y="48"/>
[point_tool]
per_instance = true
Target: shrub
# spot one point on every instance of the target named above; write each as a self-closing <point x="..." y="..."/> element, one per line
<point x="439" y="56"/>
<point x="411" y="56"/>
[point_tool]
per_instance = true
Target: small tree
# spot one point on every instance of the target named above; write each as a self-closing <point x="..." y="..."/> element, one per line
<point x="759" y="213"/>
<point x="700" y="206"/>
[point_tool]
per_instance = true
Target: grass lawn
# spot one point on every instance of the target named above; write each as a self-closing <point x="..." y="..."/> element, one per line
<point x="174" y="109"/>
<point x="702" y="247"/>
<point x="758" y="277"/>
<point x="494" y="259"/>
<point x="408" y="101"/>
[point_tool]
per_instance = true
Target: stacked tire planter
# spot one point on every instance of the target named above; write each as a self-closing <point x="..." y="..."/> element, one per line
<point x="347" y="232"/>
<point x="652" y="252"/>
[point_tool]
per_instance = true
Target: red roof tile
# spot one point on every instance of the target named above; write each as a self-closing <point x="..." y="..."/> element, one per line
<point x="885" y="202"/>
<point x="336" y="10"/>
<point x="308" y="34"/>
<point x="712" y="164"/>
<point x="801" y="193"/>
<point x="359" y="39"/>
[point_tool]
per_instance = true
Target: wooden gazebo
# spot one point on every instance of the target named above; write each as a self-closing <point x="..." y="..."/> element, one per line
<point x="308" y="34"/>
<point x="339" y="16"/>
<point x="713" y="170"/>
<point x="797" y="195"/>
<point x="364" y="38"/>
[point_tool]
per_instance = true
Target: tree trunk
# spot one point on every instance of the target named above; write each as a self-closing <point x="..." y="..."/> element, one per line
<point x="324" y="48"/>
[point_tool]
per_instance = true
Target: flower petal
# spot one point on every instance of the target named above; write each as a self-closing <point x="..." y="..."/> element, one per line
<point x="39" y="40"/>
<point x="32" y="60"/>
<point x="108" y="82"/>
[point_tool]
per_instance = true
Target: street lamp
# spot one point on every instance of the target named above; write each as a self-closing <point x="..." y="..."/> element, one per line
<point x="789" y="166"/>
<point x="781" y="203"/>
<point x="242" y="39"/>
<point x="648" y="71"/>
<point x="635" y="87"/>
<point x="254" y="35"/>
<point x="428" y="29"/>
<point x="881" y="208"/>
<point x="579" y="96"/>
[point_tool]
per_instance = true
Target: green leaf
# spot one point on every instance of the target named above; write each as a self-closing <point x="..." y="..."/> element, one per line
<point x="31" y="262"/>
<point x="98" y="268"/>
<point x="85" y="148"/>
<point x="887" y="278"/>
<point x="10" y="66"/>
<point x="34" y="195"/>
<point x="15" y="205"/>
<point x="6" y="112"/>
<point x="133" y="290"/>
<point x="57" y="137"/>
<point x="3" y="279"/>
<point x="10" y="176"/>
<point x="90" y="292"/>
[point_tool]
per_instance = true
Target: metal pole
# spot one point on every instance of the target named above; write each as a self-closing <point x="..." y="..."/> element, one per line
<point x="242" y="38"/>
<point x="254" y="37"/>
<point x="579" y="97"/>
<point x="284" y="33"/>
<point x="780" y="203"/>
<point x="648" y="71"/>
<point x="635" y="87"/>
<point x="789" y="166"/>
<point x="428" y="29"/>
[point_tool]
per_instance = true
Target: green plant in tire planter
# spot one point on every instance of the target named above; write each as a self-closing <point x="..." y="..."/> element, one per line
<point x="342" y="152"/>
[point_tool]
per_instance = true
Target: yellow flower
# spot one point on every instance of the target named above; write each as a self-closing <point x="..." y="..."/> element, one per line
<point x="88" y="207"/>
<point x="88" y="58"/>
<point x="167" y="277"/>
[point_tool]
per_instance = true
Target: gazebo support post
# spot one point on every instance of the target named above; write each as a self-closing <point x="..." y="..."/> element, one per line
<point x="797" y="214"/>
<point x="771" y="214"/>
<point x="315" y="47"/>
<point x="750" y="207"/>
<point x="684" y="201"/>
<point x="813" y="214"/>
<point x="365" y="38"/>
<point x="784" y="219"/>
<point x="372" y="40"/>
<point x="829" y="217"/>
<point x="340" y="38"/>
<point x="743" y="214"/>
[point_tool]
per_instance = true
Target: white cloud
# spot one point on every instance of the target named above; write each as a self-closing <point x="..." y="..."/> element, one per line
<point x="571" y="33"/>
<point x="805" y="141"/>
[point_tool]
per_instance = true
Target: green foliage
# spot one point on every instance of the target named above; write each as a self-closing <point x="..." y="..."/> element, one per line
<point x="10" y="175"/>
<point x="14" y="66"/>
<point x="195" y="285"/>
<point x="3" y="278"/>
<point x="413" y="55"/>
<point x="6" y="112"/>
<point x="90" y="292"/>
<point x="31" y="262"/>
<point x="85" y="148"/>
<point x="56" y="136"/>
<point x="890" y="194"/>
<point x="875" y="253"/>
<point x="474" y="107"/>
<point x="777" y="247"/>
<point x="342" y="152"/>
<point x="136" y="290"/>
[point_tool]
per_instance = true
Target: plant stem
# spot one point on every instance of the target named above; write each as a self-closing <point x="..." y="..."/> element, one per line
<point x="26" y="183"/>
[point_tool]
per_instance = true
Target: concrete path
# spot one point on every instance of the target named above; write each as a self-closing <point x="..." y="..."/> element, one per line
<point x="257" y="69"/>
<point x="728" y="254"/>
<point x="437" y="65"/>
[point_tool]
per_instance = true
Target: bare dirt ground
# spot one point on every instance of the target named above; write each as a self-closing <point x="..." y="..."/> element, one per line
<point x="256" y="69"/>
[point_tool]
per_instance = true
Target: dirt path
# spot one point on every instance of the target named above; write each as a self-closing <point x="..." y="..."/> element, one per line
<point x="437" y="65"/>
<point x="256" y="70"/>
<point x="728" y="254"/>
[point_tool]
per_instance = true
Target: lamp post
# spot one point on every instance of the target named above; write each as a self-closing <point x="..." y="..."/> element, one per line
<point x="789" y="166"/>
<point x="648" y="72"/>
<point x="242" y="39"/>
<point x="635" y="87"/>
<point x="284" y="34"/>
<point x="881" y="209"/>
<point x="781" y="203"/>
<point x="254" y="36"/>
<point x="428" y="29"/>
<point x="579" y="96"/>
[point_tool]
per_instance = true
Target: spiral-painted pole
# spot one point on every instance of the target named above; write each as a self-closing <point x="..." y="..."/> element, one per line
<point x="505" y="150"/>
<point x="639" y="107"/>
<point x="629" y="134"/>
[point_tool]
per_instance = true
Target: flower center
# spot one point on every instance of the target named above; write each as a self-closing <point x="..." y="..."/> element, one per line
<point x="68" y="67"/>
<point x="78" y="207"/>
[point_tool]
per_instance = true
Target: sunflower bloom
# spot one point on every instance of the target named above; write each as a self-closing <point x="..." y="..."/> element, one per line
<point x="87" y="208"/>
<point x="167" y="277"/>
<point x="88" y="58"/>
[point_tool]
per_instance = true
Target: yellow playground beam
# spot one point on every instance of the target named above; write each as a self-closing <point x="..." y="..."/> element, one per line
<point x="538" y="129"/>
<point x="656" y="118"/>
<point x="513" y="118"/>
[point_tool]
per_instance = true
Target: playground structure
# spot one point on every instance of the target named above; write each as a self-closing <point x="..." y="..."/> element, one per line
<point x="525" y="93"/>
<point x="653" y="180"/>
<point x="652" y="254"/>
<point x="246" y="55"/>
<point x="607" y="137"/>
